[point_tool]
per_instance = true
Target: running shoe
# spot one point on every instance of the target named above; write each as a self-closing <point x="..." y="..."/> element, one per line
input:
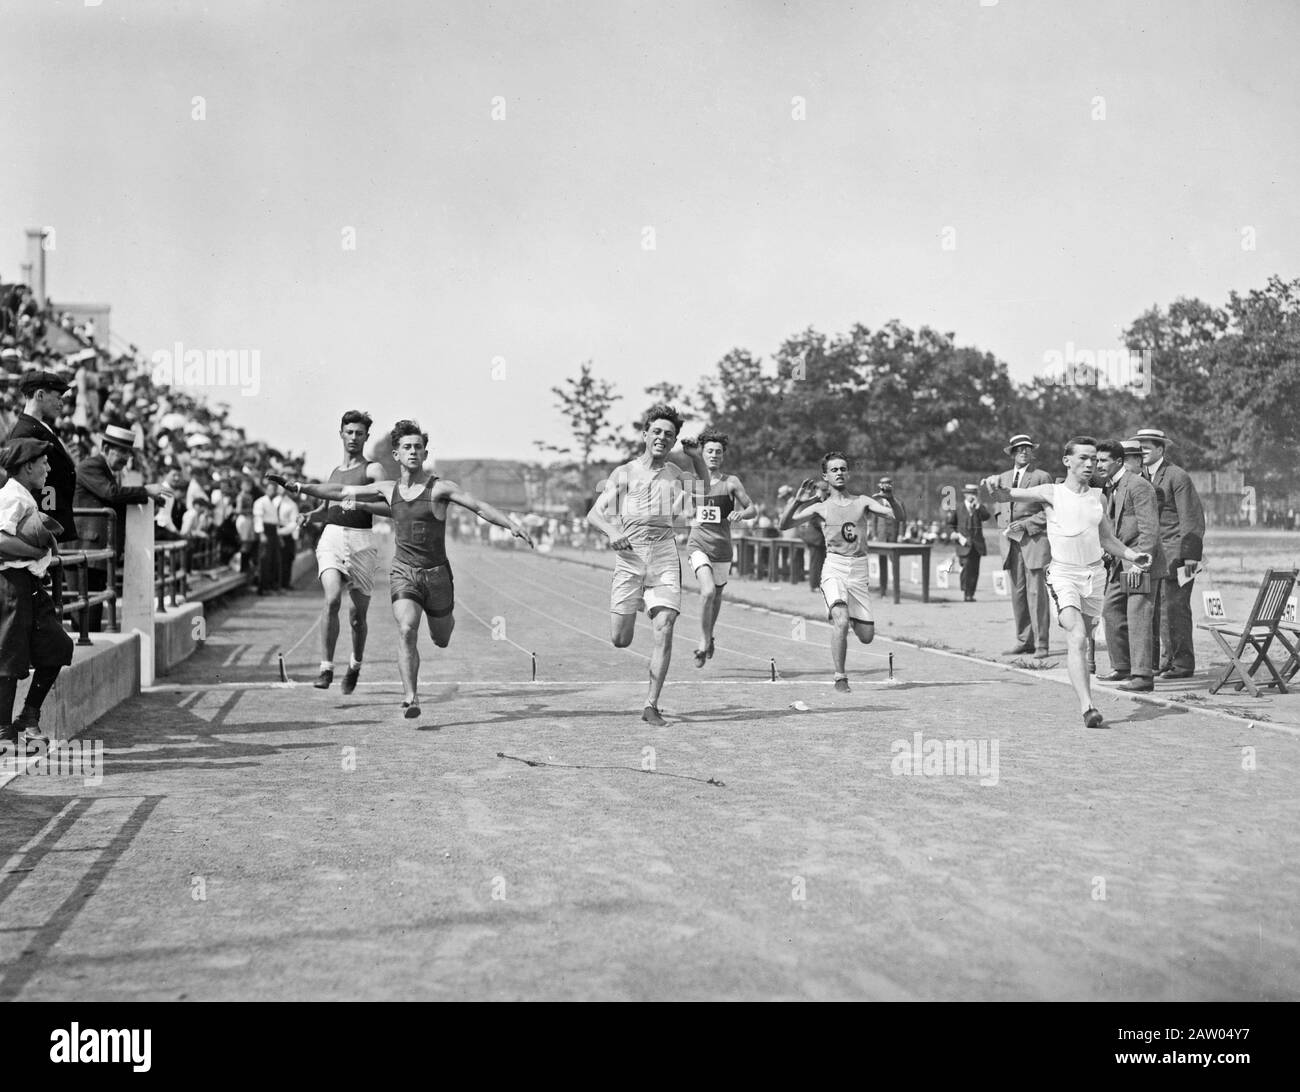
<point x="350" y="679"/>
<point x="701" y="655"/>
<point x="651" y="716"/>
<point x="842" y="685"/>
<point x="323" y="680"/>
<point x="410" y="710"/>
<point x="1092" y="719"/>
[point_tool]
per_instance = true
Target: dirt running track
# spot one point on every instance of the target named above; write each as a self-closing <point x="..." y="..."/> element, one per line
<point x="255" y="841"/>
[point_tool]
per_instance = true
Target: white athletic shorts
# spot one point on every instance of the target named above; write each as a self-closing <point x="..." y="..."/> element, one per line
<point x="721" y="569"/>
<point x="647" y="576"/>
<point x="846" y="580"/>
<point x="1080" y="586"/>
<point x="351" y="551"/>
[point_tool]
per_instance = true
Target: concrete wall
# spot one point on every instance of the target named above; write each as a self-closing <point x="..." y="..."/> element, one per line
<point x="102" y="676"/>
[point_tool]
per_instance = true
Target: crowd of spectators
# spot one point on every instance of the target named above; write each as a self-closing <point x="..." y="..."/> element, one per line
<point x="212" y="469"/>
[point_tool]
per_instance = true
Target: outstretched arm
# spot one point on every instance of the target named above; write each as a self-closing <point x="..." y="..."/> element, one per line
<point x="331" y="491"/>
<point x="453" y="494"/>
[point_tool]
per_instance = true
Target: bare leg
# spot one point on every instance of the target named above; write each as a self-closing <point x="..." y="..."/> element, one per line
<point x="710" y="598"/>
<point x="331" y="582"/>
<point x="663" y="619"/>
<point x="1077" y="630"/>
<point x="360" y="626"/>
<point x="621" y="629"/>
<point x="440" y="629"/>
<point x="407" y="612"/>
<point x="839" y="636"/>
<point x="864" y="631"/>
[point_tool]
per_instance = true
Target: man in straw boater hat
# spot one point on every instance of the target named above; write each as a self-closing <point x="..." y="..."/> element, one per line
<point x="98" y="487"/>
<point x="1026" y="550"/>
<point x="1079" y="531"/>
<point x="31" y="632"/>
<point x="1182" y="539"/>
<point x="1131" y="507"/>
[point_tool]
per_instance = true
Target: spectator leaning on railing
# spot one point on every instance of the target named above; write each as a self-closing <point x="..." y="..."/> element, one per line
<point x="31" y="631"/>
<point x="97" y="487"/>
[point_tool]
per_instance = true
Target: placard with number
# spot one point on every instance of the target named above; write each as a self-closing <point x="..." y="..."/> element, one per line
<point x="1214" y="606"/>
<point x="1000" y="585"/>
<point x="708" y="513"/>
<point x="1289" y="612"/>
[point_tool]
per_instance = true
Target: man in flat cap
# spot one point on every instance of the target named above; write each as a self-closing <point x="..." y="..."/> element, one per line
<point x="967" y="524"/>
<point x="1026" y="551"/>
<point x="31" y="633"/>
<point x="1182" y="538"/>
<point x="44" y="394"/>
<point x="98" y="487"/>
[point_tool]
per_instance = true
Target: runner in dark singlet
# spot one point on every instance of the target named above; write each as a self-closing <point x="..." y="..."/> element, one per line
<point x="346" y="553"/>
<point x="420" y="580"/>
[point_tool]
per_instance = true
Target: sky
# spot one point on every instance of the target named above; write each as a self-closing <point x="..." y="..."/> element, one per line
<point x="660" y="183"/>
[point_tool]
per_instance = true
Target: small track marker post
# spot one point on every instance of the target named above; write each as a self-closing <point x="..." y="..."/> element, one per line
<point x="534" y="656"/>
<point x="891" y="667"/>
<point x="284" y="675"/>
<point x="774" y="669"/>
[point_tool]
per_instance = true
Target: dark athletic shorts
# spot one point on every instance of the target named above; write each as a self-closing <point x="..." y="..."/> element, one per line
<point x="432" y="588"/>
<point x="31" y="634"/>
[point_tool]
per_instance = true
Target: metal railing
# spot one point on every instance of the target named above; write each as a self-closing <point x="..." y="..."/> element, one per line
<point x="171" y="572"/>
<point x="70" y="576"/>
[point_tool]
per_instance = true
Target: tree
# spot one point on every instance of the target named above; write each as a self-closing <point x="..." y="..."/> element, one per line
<point x="585" y="402"/>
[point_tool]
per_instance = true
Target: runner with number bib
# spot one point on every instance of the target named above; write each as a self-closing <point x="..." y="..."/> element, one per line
<point x="846" y="585"/>
<point x="708" y="548"/>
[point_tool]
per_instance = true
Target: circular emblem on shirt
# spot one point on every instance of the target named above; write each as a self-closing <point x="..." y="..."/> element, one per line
<point x="849" y="532"/>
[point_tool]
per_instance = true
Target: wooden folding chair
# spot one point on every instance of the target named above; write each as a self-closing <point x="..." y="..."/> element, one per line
<point x="1262" y="629"/>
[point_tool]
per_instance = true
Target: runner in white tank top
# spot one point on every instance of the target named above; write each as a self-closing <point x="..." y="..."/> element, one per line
<point x="1078" y="531"/>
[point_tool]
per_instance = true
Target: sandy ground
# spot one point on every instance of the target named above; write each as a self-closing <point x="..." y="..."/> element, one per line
<point x="253" y="840"/>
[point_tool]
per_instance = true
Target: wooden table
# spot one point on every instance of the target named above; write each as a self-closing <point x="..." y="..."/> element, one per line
<point x="771" y="558"/>
<point x="892" y="553"/>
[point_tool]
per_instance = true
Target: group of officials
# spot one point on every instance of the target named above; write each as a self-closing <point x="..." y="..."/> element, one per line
<point x="1153" y="507"/>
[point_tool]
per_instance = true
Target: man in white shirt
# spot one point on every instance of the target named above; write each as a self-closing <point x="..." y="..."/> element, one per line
<point x="266" y="526"/>
<point x="31" y="633"/>
<point x="288" y="511"/>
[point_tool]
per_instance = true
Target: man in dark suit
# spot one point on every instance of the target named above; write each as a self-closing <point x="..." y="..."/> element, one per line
<point x="97" y="487"/>
<point x="967" y="523"/>
<point x="1133" y="510"/>
<point x="1025" y="549"/>
<point x="44" y="394"/>
<point x="1182" y="538"/>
